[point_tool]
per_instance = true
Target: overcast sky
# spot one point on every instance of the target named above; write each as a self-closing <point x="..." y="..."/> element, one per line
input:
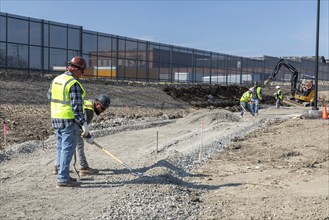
<point x="243" y="28"/>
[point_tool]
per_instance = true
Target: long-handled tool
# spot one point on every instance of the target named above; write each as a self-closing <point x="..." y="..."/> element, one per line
<point x="123" y="163"/>
<point x="74" y="168"/>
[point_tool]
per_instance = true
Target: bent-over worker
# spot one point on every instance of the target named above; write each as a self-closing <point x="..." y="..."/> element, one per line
<point x="244" y="102"/>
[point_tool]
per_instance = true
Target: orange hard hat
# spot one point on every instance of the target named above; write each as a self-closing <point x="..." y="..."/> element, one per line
<point x="78" y="62"/>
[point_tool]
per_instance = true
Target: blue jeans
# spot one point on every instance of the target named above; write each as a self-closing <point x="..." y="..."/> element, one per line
<point x="66" y="142"/>
<point x="246" y="107"/>
<point x="254" y="105"/>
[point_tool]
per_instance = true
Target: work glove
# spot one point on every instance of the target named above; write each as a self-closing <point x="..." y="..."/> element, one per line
<point x="89" y="138"/>
<point x="85" y="130"/>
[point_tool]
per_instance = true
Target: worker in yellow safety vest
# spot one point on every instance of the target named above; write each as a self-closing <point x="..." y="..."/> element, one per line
<point x="245" y="101"/>
<point x="256" y="92"/>
<point x="278" y="97"/>
<point x="67" y="117"/>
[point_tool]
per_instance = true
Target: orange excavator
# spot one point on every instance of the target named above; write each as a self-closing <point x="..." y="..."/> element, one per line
<point x="303" y="92"/>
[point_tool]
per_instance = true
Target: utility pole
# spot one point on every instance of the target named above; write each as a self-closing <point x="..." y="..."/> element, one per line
<point x="315" y="107"/>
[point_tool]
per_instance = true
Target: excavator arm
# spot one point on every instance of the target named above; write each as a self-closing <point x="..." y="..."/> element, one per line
<point x="277" y="68"/>
<point x="323" y="60"/>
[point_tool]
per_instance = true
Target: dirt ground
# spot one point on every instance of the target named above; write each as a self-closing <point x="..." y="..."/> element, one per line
<point x="280" y="172"/>
<point x="201" y="159"/>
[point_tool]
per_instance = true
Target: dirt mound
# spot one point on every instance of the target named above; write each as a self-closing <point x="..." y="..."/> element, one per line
<point x="210" y="117"/>
<point x="211" y="96"/>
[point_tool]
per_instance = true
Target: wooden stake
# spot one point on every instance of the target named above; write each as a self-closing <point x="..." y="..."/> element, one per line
<point x="5" y="131"/>
<point x="157" y="143"/>
<point x="4" y="134"/>
<point x="200" y="150"/>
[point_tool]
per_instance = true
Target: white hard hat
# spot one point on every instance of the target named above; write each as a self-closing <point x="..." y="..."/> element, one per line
<point x="277" y="87"/>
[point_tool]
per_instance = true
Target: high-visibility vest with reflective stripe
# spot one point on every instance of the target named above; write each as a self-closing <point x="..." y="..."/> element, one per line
<point x="278" y="94"/>
<point x="88" y="104"/>
<point x="256" y="94"/>
<point x="245" y="97"/>
<point x="88" y="109"/>
<point x="60" y="98"/>
<point x="259" y="92"/>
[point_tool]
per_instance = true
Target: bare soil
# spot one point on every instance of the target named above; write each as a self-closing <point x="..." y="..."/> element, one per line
<point x="280" y="172"/>
<point x="201" y="159"/>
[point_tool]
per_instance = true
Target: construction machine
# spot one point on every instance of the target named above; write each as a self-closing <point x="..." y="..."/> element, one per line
<point x="323" y="60"/>
<point x="303" y="92"/>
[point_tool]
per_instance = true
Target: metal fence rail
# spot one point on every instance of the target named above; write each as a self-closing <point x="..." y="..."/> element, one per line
<point x="41" y="46"/>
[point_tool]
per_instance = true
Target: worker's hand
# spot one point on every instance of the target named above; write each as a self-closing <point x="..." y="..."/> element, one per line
<point x="85" y="130"/>
<point x="89" y="138"/>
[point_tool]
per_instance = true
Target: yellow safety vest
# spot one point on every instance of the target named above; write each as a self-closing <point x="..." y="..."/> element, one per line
<point x="245" y="97"/>
<point x="88" y="104"/>
<point x="278" y="94"/>
<point x="259" y="92"/>
<point x="256" y="94"/>
<point x="60" y="98"/>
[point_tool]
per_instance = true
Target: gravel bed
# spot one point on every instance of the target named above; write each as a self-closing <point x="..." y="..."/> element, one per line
<point x="164" y="194"/>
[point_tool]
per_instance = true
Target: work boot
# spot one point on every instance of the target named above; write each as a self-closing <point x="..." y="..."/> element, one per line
<point x="88" y="171"/>
<point x="55" y="171"/>
<point x="70" y="183"/>
<point x="73" y="179"/>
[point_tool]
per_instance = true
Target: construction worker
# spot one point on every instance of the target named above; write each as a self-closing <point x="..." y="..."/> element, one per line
<point x="309" y="87"/>
<point x="90" y="107"/>
<point x="244" y="102"/>
<point x="67" y="117"/>
<point x="278" y="97"/>
<point x="256" y="92"/>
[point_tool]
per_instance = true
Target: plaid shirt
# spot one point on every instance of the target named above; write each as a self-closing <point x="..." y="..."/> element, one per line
<point x="76" y="103"/>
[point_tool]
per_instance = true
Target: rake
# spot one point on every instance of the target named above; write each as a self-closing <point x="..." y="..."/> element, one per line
<point x="121" y="162"/>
